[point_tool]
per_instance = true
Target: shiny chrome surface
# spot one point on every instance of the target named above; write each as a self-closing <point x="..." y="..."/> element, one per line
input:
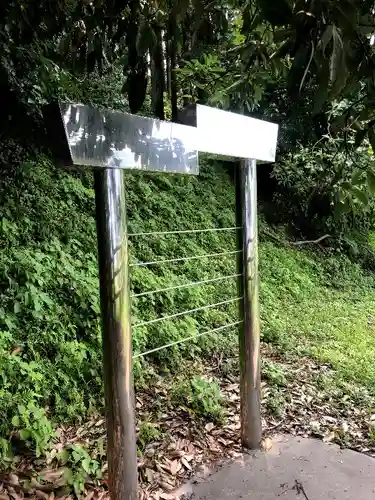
<point x="120" y="140"/>
<point x="116" y="326"/>
<point x="249" y="339"/>
<point x="230" y="134"/>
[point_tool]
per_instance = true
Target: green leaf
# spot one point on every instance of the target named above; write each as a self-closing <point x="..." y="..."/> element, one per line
<point x="338" y="71"/>
<point x="16" y="307"/>
<point x="16" y="421"/>
<point x="346" y="185"/>
<point x="68" y="476"/>
<point x="360" y="195"/>
<point x="86" y="465"/>
<point x="366" y="114"/>
<point x="63" y="456"/>
<point x="76" y="455"/>
<point x="371" y="182"/>
<point x="357" y="177"/>
<point x="337" y="54"/>
<point x="25" y="434"/>
<point x="21" y="409"/>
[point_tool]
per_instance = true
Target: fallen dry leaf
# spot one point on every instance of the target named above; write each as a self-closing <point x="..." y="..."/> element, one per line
<point x="190" y="446"/>
<point x="13" y="479"/>
<point x="185" y="463"/>
<point x="328" y="438"/>
<point x="166" y="496"/>
<point x="267" y="444"/>
<point x="41" y="494"/>
<point x="175" y="466"/>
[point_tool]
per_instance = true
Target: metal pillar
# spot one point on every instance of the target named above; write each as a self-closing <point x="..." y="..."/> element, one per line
<point x="116" y="326"/>
<point x="248" y="284"/>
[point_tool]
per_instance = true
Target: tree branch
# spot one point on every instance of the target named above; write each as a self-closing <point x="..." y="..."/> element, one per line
<point x="306" y="242"/>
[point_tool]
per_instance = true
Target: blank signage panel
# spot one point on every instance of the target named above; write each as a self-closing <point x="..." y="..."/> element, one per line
<point x="111" y="139"/>
<point x="230" y="134"/>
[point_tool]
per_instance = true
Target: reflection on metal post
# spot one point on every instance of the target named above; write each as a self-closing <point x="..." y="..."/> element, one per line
<point x="249" y="341"/>
<point x="116" y="325"/>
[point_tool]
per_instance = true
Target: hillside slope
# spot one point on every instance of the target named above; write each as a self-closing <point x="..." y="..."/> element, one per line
<point x="319" y="303"/>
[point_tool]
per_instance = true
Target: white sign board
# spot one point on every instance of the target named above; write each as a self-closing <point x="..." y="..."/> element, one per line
<point x="230" y="134"/>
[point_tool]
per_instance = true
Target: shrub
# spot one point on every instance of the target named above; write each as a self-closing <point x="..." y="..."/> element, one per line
<point x="201" y="396"/>
<point x="325" y="188"/>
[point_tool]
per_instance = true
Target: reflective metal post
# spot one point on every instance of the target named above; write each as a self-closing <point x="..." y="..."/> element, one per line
<point x="249" y="337"/>
<point x="116" y="326"/>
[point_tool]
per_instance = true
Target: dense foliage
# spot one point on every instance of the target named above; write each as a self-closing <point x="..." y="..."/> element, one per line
<point x="50" y="342"/>
<point x="308" y="65"/>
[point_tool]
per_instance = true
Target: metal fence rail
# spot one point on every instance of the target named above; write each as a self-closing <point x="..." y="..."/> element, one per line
<point x="186" y="339"/>
<point x="182" y="259"/>
<point x="185" y="231"/>
<point x="184" y="313"/>
<point x="186" y="285"/>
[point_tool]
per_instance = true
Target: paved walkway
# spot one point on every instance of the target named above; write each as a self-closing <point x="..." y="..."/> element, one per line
<point x="295" y="468"/>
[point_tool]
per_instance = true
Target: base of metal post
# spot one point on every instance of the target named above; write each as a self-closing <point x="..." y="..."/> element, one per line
<point x="116" y="325"/>
<point x="249" y="337"/>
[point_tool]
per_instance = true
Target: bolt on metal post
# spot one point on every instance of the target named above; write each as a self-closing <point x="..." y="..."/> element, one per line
<point x="248" y="284"/>
<point x="116" y="327"/>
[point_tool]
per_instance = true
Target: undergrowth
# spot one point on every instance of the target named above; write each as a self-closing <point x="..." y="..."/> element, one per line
<point x="202" y="396"/>
<point x="317" y="302"/>
<point x="50" y="343"/>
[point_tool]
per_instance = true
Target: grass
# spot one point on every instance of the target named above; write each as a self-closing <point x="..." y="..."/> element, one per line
<point x="319" y="304"/>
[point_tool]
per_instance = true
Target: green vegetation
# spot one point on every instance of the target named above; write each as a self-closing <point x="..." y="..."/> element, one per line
<point x="313" y="302"/>
<point x="305" y="65"/>
<point x="148" y="432"/>
<point x="202" y="396"/>
<point x="50" y="348"/>
<point x="320" y="303"/>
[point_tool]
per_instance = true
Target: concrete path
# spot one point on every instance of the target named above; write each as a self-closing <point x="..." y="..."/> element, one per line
<point x="295" y="468"/>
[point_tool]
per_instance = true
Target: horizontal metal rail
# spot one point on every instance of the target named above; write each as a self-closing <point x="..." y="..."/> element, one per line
<point x="185" y="231"/>
<point x="171" y="316"/>
<point x="186" y="285"/>
<point x="181" y="259"/>
<point x="186" y="339"/>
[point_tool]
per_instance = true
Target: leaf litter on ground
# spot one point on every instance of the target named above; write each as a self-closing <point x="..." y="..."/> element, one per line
<point x="309" y="402"/>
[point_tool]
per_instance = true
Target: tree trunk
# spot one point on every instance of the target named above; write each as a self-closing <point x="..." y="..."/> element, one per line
<point x="186" y="49"/>
<point x="157" y="76"/>
<point x="167" y="62"/>
<point x="173" y="63"/>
